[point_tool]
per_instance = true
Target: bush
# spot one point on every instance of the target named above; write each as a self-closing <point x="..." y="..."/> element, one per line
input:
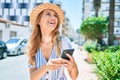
<point x="89" y="45"/>
<point x="112" y="48"/>
<point x="107" y="65"/>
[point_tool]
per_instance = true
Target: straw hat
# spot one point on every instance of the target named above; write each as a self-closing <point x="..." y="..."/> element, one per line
<point x="38" y="9"/>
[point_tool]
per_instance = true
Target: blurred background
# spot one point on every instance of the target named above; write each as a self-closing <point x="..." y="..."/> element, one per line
<point x="89" y="24"/>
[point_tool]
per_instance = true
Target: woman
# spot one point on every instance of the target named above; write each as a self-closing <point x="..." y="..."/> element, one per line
<point x="46" y="45"/>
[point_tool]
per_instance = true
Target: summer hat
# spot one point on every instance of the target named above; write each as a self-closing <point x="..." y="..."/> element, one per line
<point x="38" y="9"/>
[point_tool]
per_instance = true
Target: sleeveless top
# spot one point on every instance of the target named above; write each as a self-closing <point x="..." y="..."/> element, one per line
<point x="40" y="61"/>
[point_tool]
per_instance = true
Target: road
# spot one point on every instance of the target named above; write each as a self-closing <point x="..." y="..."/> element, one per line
<point x="14" y="68"/>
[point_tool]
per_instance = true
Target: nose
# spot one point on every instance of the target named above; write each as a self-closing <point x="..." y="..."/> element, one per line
<point x="53" y="17"/>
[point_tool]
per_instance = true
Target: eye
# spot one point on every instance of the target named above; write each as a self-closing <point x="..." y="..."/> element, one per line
<point x="55" y="15"/>
<point x="48" y="14"/>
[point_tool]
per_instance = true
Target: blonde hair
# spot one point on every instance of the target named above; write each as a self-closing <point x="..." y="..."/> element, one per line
<point x="37" y="36"/>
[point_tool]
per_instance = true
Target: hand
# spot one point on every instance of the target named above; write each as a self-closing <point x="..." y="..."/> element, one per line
<point x="53" y="64"/>
<point x="70" y="64"/>
<point x="71" y="67"/>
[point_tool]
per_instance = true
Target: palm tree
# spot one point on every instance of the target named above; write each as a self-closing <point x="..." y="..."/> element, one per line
<point x="97" y="5"/>
<point x="111" y="23"/>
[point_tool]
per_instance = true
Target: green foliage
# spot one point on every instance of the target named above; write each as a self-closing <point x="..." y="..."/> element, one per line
<point x="108" y="48"/>
<point x="112" y="48"/>
<point x="89" y="45"/>
<point x="107" y="64"/>
<point x="94" y="27"/>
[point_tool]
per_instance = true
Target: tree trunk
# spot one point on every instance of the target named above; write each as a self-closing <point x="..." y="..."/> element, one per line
<point x="111" y="23"/>
<point x="96" y="12"/>
<point x="97" y="4"/>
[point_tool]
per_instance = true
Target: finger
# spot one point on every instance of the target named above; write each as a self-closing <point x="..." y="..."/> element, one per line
<point x="54" y="67"/>
<point x="56" y="61"/>
<point x="70" y="57"/>
<point x="68" y="66"/>
<point x="64" y="61"/>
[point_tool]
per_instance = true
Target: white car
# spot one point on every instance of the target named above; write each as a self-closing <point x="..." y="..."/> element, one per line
<point x="16" y="46"/>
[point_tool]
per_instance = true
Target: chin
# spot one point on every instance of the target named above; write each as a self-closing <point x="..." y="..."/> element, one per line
<point x="52" y="27"/>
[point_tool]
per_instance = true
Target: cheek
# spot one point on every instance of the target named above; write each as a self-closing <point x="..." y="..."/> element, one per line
<point x="42" y="21"/>
<point x="56" y="21"/>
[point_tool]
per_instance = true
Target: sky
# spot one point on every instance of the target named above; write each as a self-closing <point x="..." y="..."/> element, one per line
<point x="73" y="10"/>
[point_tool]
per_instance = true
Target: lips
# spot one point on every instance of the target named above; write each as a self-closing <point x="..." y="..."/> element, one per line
<point x="51" y="22"/>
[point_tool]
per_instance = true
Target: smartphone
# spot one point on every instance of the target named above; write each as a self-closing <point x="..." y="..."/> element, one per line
<point x="67" y="51"/>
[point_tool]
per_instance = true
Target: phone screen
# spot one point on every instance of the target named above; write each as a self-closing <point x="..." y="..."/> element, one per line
<point x="67" y="51"/>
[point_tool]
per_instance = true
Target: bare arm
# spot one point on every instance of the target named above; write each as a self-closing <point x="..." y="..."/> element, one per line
<point x="71" y="67"/>
<point x="37" y="74"/>
<point x="52" y="65"/>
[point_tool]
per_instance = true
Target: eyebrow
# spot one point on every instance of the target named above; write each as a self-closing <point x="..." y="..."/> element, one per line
<point x="50" y="11"/>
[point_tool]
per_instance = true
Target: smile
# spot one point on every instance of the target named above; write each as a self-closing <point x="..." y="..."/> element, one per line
<point x="51" y="22"/>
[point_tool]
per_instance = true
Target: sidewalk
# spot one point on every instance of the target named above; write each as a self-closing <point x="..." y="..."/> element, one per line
<point x="85" y="69"/>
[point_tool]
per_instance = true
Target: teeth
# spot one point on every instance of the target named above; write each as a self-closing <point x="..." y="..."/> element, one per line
<point x="51" y="22"/>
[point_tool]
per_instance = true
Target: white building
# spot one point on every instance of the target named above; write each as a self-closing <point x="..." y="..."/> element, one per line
<point x="14" y="17"/>
<point x="88" y="10"/>
<point x="9" y="29"/>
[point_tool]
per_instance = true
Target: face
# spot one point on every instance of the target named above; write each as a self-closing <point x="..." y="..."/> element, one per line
<point x="48" y="21"/>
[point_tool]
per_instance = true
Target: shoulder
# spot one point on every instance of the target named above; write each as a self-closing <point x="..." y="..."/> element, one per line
<point x="64" y="39"/>
<point x="66" y="44"/>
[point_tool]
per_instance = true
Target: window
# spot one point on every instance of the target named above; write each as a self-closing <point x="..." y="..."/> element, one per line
<point x="39" y="1"/>
<point x="23" y="5"/>
<point x="8" y="1"/>
<point x="13" y="41"/>
<point x="107" y="0"/>
<point x="7" y="5"/>
<point x="117" y="0"/>
<point x="23" y="42"/>
<point x="13" y="18"/>
<point x="117" y="31"/>
<point x="2" y="1"/>
<point x="92" y="7"/>
<point x="117" y="7"/>
<point x="0" y="11"/>
<point x="24" y="12"/>
<point x="107" y="8"/>
<point x="11" y="11"/>
<point x="26" y="18"/>
<point x="6" y="12"/>
<point x="87" y="1"/>
<point x="13" y="1"/>
<point x="1" y="34"/>
<point x="118" y="23"/>
<point x="0" y="44"/>
<point x="20" y="1"/>
<point x="13" y="34"/>
<point x="17" y="11"/>
<point x="26" y="1"/>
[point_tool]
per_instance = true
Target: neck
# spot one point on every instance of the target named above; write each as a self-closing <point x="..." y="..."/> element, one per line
<point x="46" y="39"/>
<point x="46" y="36"/>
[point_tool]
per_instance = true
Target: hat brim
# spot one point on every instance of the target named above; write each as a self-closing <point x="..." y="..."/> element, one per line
<point x="38" y="9"/>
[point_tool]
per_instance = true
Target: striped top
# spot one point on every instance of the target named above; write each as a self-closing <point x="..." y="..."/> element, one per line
<point x="40" y="61"/>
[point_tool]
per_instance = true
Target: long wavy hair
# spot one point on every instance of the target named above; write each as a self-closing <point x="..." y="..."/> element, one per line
<point x="36" y="36"/>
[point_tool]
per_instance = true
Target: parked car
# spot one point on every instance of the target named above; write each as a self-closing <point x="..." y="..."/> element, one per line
<point x="16" y="46"/>
<point x="3" y="50"/>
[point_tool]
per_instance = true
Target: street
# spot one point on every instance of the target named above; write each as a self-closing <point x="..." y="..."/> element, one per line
<point x="14" y="68"/>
